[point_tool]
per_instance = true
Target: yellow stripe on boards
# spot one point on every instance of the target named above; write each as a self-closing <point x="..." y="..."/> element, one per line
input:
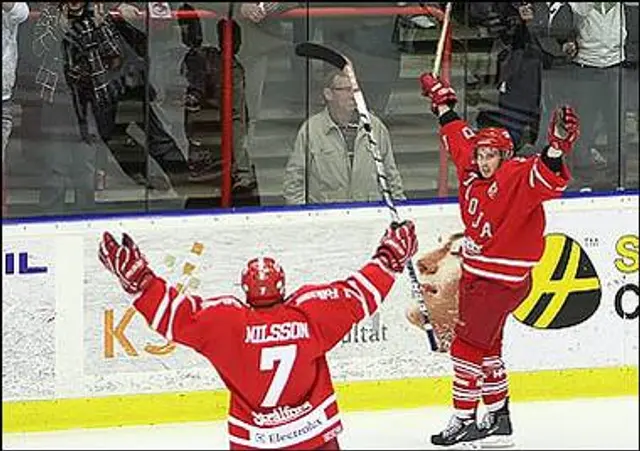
<point x="131" y="410"/>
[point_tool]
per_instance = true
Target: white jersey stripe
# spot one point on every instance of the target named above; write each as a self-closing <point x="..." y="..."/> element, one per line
<point x="300" y="430"/>
<point x="371" y="288"/>
<point x="539" y="176"/>
<point x="323" y="405"/>
<point x="228" y="300"/>
<point x="500" y="261"/>
<point x="174" y="308"/>
<point x="382" y="267"/>
<point x="357" y="292"/>
<point x="162" y="308"/>
<point x="493" y="275"/>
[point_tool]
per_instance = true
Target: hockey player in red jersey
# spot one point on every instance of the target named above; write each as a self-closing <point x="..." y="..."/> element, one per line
<point x="501" y="205"/>
<point x="270" y="350"/>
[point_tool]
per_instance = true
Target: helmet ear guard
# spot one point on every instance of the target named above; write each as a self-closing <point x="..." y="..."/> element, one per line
<point x="263" y="281"/>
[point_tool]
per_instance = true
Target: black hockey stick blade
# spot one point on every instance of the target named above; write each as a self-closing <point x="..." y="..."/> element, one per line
<point x="320" y="52"/>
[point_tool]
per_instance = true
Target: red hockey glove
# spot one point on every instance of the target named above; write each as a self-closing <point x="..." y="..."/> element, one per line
<point x="439" y="91"/>
<point x="564" y="129"/>
<point x="126" y="262"/>
<point x="397" y="246"/>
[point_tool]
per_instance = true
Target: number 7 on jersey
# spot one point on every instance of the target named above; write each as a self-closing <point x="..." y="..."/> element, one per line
<point x="286" y="355"/>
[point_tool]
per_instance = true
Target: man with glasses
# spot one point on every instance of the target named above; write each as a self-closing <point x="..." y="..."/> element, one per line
<point x="331" y="161"/>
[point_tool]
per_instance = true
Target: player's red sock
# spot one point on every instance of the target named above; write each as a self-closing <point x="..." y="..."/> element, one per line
<point x="495" y="388"/>
<point x="467" y="377"/>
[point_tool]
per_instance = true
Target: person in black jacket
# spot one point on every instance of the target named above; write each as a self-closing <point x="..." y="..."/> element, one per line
<point x="202" y="68"/>
<point x="519" y="72"/>
<point x="161" y="145"/>
<point x="559" y="20"/>
<point x="77" y="54"/>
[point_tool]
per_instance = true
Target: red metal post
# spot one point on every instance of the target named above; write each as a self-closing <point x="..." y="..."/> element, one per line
<point x="226" y="113"/>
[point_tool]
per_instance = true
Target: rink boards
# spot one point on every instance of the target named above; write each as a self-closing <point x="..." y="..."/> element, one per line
<point x="76" y="355"/>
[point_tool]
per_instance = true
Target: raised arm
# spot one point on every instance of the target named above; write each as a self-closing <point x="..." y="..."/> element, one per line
<point x="545" y="176"/>
<point x="455" y="133"/>
<point x="335" y="307"/>
<point x="186" y="319"/>
<point x="551" y="176"/>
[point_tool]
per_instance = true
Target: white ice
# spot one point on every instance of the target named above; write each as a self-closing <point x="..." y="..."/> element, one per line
<point x="605" y="423"/>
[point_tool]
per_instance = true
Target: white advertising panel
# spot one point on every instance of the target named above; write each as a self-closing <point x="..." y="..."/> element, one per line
<point x="29" y="269"/>
<point x="69" y="331"/>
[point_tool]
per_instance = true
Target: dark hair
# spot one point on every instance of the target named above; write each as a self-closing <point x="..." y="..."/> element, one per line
<point x="190" y="28"/>
<point x="84" y="11"/>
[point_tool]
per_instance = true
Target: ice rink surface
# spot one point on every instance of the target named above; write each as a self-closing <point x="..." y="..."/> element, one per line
<point x="605" y="423"/>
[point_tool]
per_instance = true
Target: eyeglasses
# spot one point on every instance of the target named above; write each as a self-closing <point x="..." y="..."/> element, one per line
<point x="341" y="88"/>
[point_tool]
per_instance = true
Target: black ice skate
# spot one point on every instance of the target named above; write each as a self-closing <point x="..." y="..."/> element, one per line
<point x="495" y="428"/>
<point x="459" y="431"/>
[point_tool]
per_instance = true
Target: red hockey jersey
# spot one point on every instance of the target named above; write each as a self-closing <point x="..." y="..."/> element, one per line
<point x="503" y="216"/>
<point x="272" y="360"/>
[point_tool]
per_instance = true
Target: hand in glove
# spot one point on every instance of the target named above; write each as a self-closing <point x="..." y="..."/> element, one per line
<point x="439" y="91"/>
<point x="397" y="246"/>
<point x="564" y="129"/>
<point x="126" y="262"/>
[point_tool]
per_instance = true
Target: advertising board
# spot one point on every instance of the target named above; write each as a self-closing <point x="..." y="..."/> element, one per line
<point x="70" y="332"/>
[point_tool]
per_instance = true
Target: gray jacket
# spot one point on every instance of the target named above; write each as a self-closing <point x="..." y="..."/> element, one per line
<point x="328" y="177"/>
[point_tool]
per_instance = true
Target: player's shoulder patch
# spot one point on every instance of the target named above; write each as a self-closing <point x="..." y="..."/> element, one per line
<point x="313" y="293"/>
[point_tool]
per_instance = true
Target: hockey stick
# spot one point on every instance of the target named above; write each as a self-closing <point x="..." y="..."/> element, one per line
<point x="443" y="37"/>
<point x="316" y="51"/>
<point x="444" y="43"/>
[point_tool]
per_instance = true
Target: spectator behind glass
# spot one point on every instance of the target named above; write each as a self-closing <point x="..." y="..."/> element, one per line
<point x="202" y="67"/>
<point x="77" y="53"/>
<point x="556" y="74"/>
<point x="13" y="14"/>
<point x="154" y="80"/>
<point x="331" y="161"/>
<point x="597" y="53"/>
<point x="263" y="37"/>
<point x="519" y="70"/>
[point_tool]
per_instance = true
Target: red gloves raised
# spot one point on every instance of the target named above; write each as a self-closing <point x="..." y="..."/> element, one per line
<point x="126" y="262"/>
<point x="564" y="129"/>
<point x="397" y="246"/>
<point x="439" y="91"/>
